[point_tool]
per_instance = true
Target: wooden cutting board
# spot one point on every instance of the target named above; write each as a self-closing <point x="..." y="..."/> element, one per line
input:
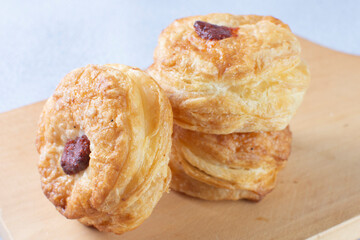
<point x="319" y="188"/>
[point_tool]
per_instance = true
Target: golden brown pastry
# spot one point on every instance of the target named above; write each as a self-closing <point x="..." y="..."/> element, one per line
<point x="227" y="167"/>
<point x="225" y="73"/>
<point x="104" y="140"/>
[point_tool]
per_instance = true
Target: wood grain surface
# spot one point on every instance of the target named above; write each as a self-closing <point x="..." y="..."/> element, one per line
<point x="319" y="188"/>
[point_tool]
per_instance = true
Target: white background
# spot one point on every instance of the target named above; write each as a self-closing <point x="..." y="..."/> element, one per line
<point x="41" y="41"/>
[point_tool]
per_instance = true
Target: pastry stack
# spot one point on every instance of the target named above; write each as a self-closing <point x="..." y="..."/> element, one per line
<point x="234" y="83"/>
<point x="229" y="83"/>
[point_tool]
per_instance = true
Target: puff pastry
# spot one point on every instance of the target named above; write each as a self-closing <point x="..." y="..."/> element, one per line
<point x="104" y="140"/>
<point x="227" y="167"/>
<point x="225" y="73"/>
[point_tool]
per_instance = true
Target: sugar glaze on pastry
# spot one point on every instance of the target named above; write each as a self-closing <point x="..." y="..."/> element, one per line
<point x="227" y="167"/>
<point x="104" y="140"/>
<point x="249" y="79"/>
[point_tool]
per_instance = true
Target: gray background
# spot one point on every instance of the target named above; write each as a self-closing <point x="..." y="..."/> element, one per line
<point x="40" y="41"/>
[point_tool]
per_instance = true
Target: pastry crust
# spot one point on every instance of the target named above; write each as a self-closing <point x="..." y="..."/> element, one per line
<point x="128" y="121"/>
<point x="227" y="167"/>
<point x="252" y="81"/>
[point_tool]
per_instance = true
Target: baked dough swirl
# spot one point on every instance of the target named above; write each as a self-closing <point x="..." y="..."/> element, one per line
<point x="227" y="167"/>
<point x="252" y="81"/>
<point x="126" y="119"/>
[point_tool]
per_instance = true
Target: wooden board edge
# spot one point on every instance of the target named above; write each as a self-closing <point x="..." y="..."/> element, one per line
<point x="349" y="229"/>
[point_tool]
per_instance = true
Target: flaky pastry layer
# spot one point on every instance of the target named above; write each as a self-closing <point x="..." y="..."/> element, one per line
<point x="252" y="81"/>
<point x="227" y="167"/>
<point x="128" y="121"/>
